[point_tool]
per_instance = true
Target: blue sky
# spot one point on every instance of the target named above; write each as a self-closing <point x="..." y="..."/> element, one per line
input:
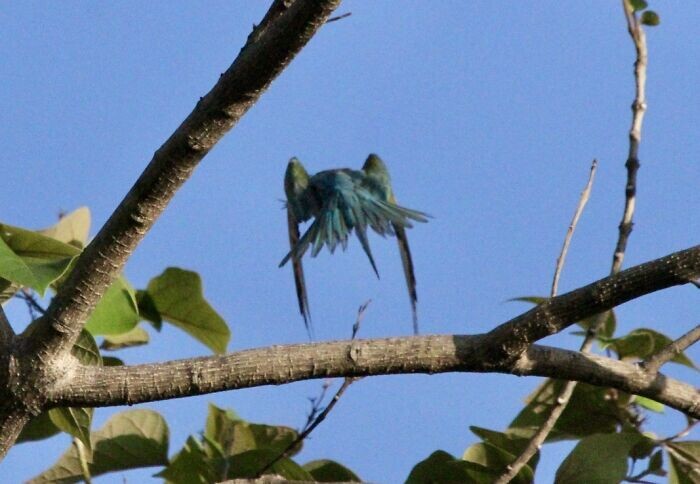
<point x="488" y="119"/>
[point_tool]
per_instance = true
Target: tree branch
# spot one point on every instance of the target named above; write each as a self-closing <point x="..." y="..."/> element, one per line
<point x="286" y="28"/>
<point x="510" y="339"/>
<point x="654" y="362"/>
<point x="119" y="385"/>
<point x="7" y="334"/>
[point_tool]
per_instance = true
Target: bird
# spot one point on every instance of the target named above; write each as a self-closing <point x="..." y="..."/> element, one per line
<point x="340" y="201"/>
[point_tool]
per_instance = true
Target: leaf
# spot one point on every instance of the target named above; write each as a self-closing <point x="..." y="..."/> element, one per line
<point x="136" y="337"/>
<point x="39" y="428"/>
<point x="649" y="404"/>
<point x="191" y="465"/>
<point x="441" y="466"/>
<point x="324" y="470"/>
<point x="72" y="229"/>
<point x="511" y="443"/>
<point x="116" y="313"/>
<point x="684" y="462"/>
<point x="148" y="310"/>
<point x="177" y="295"/>
<point x="31" y="259"/>
<point x="111" y="361"/>
<point x="74" y="421"/>
<point x="609" y="324"/>
<point x="249" y="464"/>
<point x="651" y="18"/>
<point x="132" y="439"/>
<point x="234" y="435"/>
<point x="496" y="459"/>
<point x="638" y="5"/>
<point x="86" y="351"/>
<point x="656" y="463"/>
<point x="600" y="458"/>
<point x="590" y="411"/>
<point x="642" y="343"/>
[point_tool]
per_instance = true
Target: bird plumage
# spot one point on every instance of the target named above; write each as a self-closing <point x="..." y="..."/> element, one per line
<point x="340" y="201"/>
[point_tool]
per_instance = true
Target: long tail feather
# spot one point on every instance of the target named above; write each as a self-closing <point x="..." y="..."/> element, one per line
<point x="408" y="271"/>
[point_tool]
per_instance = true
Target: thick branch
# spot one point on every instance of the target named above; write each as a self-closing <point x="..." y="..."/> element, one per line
<point x="103" y="386"/>
<point x="510" y="339"/>
<point x="270" y="48"/>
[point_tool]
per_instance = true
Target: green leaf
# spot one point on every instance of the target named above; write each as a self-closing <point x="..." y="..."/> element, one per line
<point x="684" y="462"/>
<point x="86" y="351"/>
<point x="132" y="439"/>
<point x="39" y="428"/>
<point x="609" y="324"/>
<point x="330" y="471"/>
<point x="600" y="458"/>
<point x="649" y="404"/>
<point x="111" y="361"/>
<point x="590" y="411"/>
<point x="30" y="259"/>
<point x="178" y="297"/>
<point x="116" y="313"/>
<point x="441" y="466"/>
<point x="249" y="464"/>
<point x="643" y="343"/>
<point x="148" y="310"/>
<point x="234" y="435"/>
<point x="638" y="5"/>
<point x="74" y="421"/>
<point x="510" y="443"/>
<point x="136" y="337"/>
<point x="651" y="18"/>
<point x="72" y="229"/>
<point x="191" y="465"/>
<point x="656" y="464"/>
<point x="496" y="460"/>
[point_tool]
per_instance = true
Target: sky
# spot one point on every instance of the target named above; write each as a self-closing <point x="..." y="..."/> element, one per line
<point x="488" y="119"/>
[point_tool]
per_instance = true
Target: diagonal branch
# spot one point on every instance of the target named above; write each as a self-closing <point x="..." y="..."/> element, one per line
<point x="284" y="31"/>
<point x="7" y="334"/>
<point x="510" y="339"/>
<point x="119" y="385"/>
<point x="654" y="362"/>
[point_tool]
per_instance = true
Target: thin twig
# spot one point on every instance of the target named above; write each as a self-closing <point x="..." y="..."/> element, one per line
<point x="316" y="415"/>
<point x="679" y="435"/>
<point x="625" y="229"/>
<point x="32" y="305"/>
<point x="583" y="200"/>
<point x="655" y="361"/>
<point x="536" y="441"/>
<point x="338" y="17"/>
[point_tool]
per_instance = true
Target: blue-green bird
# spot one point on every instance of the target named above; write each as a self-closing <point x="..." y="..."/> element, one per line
<point x="339" y="201"/>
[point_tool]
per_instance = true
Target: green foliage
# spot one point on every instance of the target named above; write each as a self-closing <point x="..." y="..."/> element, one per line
<point x="31" y="259"/>
<point x="684" y="465"/>
<point x="117" y="312"/>
<point x="651" y="18"/>
<point x="132" y="439"/>
<point x="600" y="458"/>
<point x="233" y="448"/>
<point x="135" y="337"/>
<point x="642" y="343"/>
<point x="324" y="470"/>
<point x="441" y="466"/>
<point x="177" y="297"/>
